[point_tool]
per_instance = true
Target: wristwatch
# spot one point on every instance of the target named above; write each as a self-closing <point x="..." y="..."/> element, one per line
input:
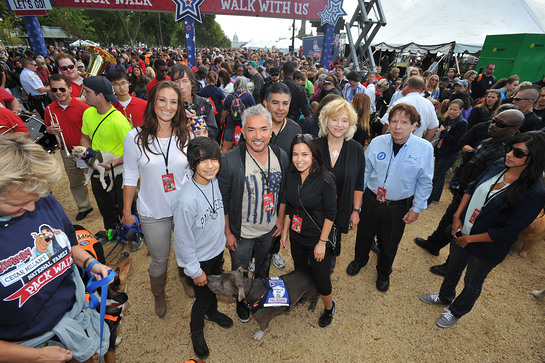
<point x="356" y="210"/>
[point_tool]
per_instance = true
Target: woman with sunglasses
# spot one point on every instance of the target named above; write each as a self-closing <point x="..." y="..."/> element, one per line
<point x="155" y="153"/>
<point x="501" y="203"/>
<point x="311" y="209"/>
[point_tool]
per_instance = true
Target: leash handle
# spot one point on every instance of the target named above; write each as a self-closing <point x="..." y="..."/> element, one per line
<point x="92" y="286"/>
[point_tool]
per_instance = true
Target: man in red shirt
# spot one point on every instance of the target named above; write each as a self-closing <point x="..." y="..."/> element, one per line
<point x="8" y="101"/>
<point x="161" y="71"/>
<point x="132" y="107"/>
<point x="11" y="123"/>
<point x="68" y="112"/>
<point x="67" y="66"/>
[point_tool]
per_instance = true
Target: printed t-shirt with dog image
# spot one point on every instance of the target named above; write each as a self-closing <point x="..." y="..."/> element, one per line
<point x="36" y="285"/>
<point x="256" y="222"/>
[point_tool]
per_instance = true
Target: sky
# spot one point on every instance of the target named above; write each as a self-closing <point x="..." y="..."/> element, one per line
<point x="266" y="29"/>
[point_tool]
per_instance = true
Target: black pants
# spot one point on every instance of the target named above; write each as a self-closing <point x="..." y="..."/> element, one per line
<point x="109" y="203"/>
<point x="205" y="300"/>
<point x="39" y="103"/>
<point x="442" y="234"/>
<point x="303" y="254"/>
<point x="384" y="221"/>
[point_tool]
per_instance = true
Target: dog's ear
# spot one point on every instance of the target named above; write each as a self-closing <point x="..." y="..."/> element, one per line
<point x="239" y="283"/>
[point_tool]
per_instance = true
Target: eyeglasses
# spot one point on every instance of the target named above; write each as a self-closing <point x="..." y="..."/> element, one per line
<point x="500" y="124"/>
<point x="55" y="90"/>
<point x="120" y="84"/>
<point x="303" y="136"/>
<point x="518" y="153"/>
<point x="520" y="99"/>
<point x="35" y="65"/>
<point x="65" y="68"/>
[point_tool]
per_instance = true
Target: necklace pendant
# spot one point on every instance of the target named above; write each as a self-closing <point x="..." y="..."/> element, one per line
<point x="335" y="153"/>
<point x="214" y="215"/>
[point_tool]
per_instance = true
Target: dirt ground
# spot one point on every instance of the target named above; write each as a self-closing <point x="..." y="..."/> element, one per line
<point x="506" y="324"/>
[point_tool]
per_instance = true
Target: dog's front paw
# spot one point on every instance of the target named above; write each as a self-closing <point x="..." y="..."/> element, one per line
<point x="259" y="334"/>
<point x="539" y="294"/>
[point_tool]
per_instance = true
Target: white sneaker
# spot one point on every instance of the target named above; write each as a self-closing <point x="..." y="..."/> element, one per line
<point x="446" y="320"/>
<point x="278" y="261"/>
<point x="251" y="265"/>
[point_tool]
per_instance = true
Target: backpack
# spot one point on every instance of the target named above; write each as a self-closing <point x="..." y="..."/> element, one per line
<point x="237" y="107"/>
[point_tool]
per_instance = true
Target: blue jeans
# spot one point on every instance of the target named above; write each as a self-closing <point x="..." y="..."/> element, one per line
<point x="476" y="273"/>
<point x="261" y="246"/>
<point x="442" y="165"/>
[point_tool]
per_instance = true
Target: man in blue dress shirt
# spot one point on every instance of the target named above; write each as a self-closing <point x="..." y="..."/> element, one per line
<point x="398" y="182"/>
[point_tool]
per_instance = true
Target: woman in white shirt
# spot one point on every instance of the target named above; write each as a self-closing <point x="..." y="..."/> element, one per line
<point x="155" y="153"/>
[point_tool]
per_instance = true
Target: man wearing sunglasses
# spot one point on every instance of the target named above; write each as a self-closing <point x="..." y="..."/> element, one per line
<point x="33" y="86"/>
<point x="524" y="100"/>
<point x="500" y="130"/>
<point x="68" y="112"/>
<point x="67" y="65"/>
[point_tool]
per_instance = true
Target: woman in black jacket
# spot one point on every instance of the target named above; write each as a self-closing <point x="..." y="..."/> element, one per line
<point x="311" y="208"/>
<point x="492" y="213"/>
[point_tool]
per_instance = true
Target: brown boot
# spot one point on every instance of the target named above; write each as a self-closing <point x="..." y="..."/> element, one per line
<point x="186" y="283"/>
<point x="158" y="291"/>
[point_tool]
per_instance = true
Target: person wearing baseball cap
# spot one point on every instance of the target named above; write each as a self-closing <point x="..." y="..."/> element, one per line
<point x="104" y="129"/>
<point x="257" y="80"/>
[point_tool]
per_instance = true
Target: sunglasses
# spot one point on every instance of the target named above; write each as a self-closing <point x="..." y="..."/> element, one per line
<point x="327" y="82"/>
<point x="65" y="68"/>
<point x="520" y="99"/>
<point x="54" y="90"/>
<point x="303" y="136"/>
<point x="518" y="153"/>
<point x="500" y="124"/>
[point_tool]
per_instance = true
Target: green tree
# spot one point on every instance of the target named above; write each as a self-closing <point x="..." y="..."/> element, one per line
<point x="72" y="21"/>
<point x="10" y="25"/>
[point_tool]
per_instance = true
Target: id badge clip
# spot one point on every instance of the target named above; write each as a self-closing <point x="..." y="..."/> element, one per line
<point x="474" y="216"/>
<point x="296" y="224"/>
<point x="381" y="195"/>
<point x="168" y="182"/>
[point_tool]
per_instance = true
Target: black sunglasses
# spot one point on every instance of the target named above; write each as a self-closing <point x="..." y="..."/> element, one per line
<point x="500" y="124"/>
<point x="54" y="90"/>
<point x="520" y="99"/>
<point x="303" y="136"/>
<point x="65" y="68"/>
<point x="518" y="153"/>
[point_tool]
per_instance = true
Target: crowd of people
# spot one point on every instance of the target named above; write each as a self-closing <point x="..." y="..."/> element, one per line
<point x="256" y="151"/>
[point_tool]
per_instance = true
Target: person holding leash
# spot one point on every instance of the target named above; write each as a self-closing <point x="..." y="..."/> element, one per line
<point x="45" y="316"/>
<point x="155" y="153"/>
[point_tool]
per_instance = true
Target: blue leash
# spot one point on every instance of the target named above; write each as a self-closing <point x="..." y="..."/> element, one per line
<point x="92" y="285"/>
<point x="123" y="230"/>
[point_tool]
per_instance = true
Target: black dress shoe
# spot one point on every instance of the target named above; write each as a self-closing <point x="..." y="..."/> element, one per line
<point x="199" y="344"/>
<point x="383" y="283"/>
<point x="421" y="242"/>
<point x="219" y="318"/>
<point x="82" y="215"/>
<point x="440" y="270"/>
<point x="354" y="268"/>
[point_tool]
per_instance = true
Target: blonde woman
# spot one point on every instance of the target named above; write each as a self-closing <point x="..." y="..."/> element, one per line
<point x="345" y="158"/>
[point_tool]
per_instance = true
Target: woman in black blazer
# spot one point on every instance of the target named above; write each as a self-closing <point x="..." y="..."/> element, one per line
<point x="494" y="210"/>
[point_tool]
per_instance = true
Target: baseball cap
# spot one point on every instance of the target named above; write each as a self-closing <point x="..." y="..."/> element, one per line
<point x="274" y="71"/>
<point x="80" y="64"/>
<point x="253" y="64"/>
<point x="202" y="69"/>
<point x="101" y="85"/>
<point x="462" y="82"/>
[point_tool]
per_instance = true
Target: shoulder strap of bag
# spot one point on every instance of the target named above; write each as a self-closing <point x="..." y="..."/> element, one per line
<point x="100" y="123"/>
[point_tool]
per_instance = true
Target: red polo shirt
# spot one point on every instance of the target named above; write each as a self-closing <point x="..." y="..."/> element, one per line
<point x="152" y="83"/>
<point x="69" y="120"/>
<point x="76" y="91"/>
<point x="5" y="97"/>
<point x="134" y="112"/>
<point x="8" y="119"/>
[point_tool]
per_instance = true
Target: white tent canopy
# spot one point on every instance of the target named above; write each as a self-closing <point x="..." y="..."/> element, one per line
<point x="84" y="43"/>
<point x="466" y="22"/>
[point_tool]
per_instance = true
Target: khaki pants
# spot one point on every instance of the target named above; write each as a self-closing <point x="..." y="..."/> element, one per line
<point x="76" y="177"/>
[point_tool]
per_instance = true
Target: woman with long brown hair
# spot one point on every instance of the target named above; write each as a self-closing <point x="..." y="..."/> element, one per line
<point x="362" y="104"/>
<point x="155" y="153"/>
<point x="486" y="109"/>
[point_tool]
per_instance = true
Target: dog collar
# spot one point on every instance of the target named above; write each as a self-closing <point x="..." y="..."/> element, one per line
<point x="259" y="303"/>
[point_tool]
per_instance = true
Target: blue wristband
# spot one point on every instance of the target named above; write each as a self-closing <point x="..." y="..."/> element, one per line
<point x="91" y="264"/>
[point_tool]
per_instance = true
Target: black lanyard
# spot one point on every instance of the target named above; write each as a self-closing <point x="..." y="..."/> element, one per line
<point x="165" y="157"/>
<point x="266" y="177"/>
<point x="488" y="196"/>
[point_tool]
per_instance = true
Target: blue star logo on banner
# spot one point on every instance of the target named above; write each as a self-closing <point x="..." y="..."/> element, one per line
<point x="188" y="8"/>
<point x="332" y="12"/>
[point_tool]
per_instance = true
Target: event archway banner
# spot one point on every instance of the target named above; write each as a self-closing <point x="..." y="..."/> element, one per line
<point x="292" y="9"/>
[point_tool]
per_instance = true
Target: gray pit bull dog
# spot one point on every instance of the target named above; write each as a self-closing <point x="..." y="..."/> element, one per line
<point x="297" y="283"/>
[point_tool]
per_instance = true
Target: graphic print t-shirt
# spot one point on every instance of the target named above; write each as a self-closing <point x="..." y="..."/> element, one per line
<point x="255" y="221"/>
<point x="36" y="286"/>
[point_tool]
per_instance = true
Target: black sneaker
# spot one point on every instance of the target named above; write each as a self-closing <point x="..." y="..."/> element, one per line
<point x="243" y="312"/>
<point x="440" y="270"/>
<point x="82" y="215"/>
<point x="354" y="268"/>
<point x="421" y="242"/>
<point x="326" y="318"/>
<point x="219" y="318"/>
<point x="199" y="345"/>
<point x="374" y="246"/>
<point x="383" y="283"/>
